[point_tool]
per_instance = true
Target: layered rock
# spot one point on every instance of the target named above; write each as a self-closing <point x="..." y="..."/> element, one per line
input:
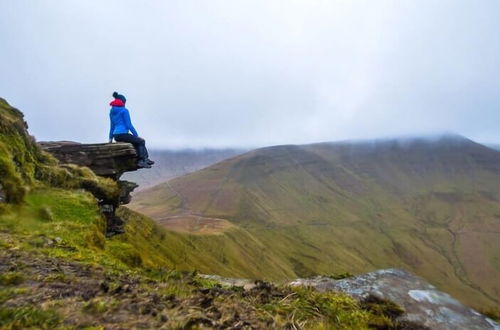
<point x="104" y="159"/>
<point x="422" y="302"/>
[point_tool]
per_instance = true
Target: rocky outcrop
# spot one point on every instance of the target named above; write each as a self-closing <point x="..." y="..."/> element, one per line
<point x="104" y="159"/>
<point x="422" y="302"/>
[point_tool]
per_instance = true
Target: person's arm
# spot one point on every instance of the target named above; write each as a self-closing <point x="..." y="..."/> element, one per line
<point x="111" y="129"/>
<point x="128" y="122"/>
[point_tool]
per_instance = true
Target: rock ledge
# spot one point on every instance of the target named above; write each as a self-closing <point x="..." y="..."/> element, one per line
<point x="105" y="159"/>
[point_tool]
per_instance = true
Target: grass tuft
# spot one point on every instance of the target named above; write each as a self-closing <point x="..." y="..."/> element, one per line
<point x="28" y="317"/>
<point x="11" y="278"/>
<point x="306" y="308"/>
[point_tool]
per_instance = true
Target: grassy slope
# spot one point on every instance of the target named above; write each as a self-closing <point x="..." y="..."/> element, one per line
<point x="427" y="206"/>
<point x="55" y="259"/>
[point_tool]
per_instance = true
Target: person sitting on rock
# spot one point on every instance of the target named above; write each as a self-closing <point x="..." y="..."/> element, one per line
<point x="121" y="125"/>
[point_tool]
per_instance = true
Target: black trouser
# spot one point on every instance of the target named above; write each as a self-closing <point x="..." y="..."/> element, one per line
<point x="139" y="144"/>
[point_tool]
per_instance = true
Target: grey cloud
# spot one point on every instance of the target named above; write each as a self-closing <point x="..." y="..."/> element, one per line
<point x="253" y="73"/>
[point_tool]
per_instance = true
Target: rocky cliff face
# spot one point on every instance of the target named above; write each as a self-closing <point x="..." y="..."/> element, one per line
<point x="109" y="160"/>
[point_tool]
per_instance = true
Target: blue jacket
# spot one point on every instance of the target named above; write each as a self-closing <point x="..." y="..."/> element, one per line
<point x="120" y="122"/>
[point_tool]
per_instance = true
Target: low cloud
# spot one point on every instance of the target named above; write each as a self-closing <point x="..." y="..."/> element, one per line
<point x="253" y="73"/>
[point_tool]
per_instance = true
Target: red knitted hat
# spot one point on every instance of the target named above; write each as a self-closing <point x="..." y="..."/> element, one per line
<point x="117" y="103"/>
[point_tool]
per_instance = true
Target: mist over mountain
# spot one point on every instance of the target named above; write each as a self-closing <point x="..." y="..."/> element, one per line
<point x="493" y="146"/>
<point x="429" y="205"/>
<point x="173" y="163"/>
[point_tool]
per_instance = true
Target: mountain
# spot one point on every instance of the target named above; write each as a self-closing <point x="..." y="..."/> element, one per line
<point x="173" y="163"/>
<point x="430" y="206"/>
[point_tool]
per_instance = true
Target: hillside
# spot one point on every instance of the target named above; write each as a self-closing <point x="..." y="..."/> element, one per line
<point x="426" y="205"/>
<point x="173" y="163"/>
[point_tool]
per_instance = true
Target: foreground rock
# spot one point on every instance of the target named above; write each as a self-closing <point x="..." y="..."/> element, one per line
<point x="422" y="302"/>
<point x="109" y="160"/>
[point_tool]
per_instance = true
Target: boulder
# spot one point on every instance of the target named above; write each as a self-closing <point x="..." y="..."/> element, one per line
<point x="422" y="302"/>
<point x="105" y="159"/>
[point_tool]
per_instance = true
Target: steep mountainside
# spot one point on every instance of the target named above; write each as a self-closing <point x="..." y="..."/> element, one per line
<point x="173" y="163"/>
<point x="430" y="206"/>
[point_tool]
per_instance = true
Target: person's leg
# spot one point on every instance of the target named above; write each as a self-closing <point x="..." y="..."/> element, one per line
<point x="139" y="144"/>
<point x="143" y="150"/>
<point x="146" y="154"/>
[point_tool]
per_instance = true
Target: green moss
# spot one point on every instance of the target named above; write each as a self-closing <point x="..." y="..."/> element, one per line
<point x="11" y="278"/>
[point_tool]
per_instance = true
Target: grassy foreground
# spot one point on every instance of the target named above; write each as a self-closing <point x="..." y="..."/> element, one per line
<point x="58" y="271"/>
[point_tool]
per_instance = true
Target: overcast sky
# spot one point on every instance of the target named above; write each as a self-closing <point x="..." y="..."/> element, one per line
<point x="253" y="72"/>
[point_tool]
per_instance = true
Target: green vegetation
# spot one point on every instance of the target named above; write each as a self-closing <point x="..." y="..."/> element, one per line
<point x="74" y="234"/>
<point x="28" y="317"/>
<point x="302" y="306"/>
<point x="11" y="278"/>
<point x="7" y="293"/>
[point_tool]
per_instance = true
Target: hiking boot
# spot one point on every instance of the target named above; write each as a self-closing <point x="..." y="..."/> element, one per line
<point x="143" y="164"/>
<point x="149" y="161"/>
